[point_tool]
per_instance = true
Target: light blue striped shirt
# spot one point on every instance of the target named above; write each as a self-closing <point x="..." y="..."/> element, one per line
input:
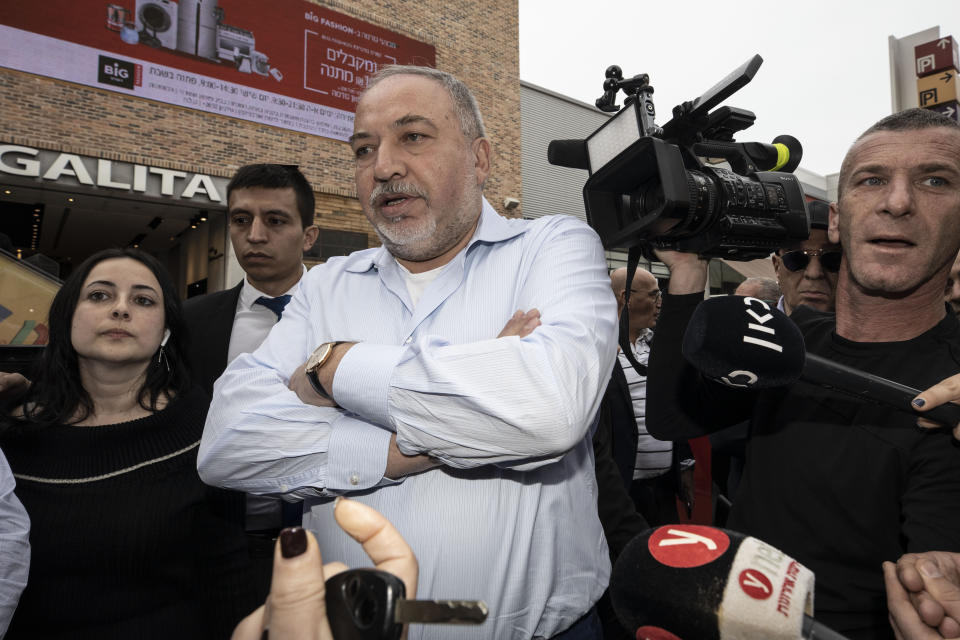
<point x="14" y="546"/>
<point x="511" y="515"/>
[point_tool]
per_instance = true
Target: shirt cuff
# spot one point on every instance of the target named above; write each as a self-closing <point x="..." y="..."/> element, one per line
<point x="356" y="456"/>
<point x="361" y="383"/>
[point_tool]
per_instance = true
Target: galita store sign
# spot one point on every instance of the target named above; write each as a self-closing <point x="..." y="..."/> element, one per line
<point x="74" y="170"/>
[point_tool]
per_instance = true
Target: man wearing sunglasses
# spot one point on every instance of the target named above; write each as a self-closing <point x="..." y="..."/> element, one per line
<point x="807" y="273"/>
<point x="836" y="482"/>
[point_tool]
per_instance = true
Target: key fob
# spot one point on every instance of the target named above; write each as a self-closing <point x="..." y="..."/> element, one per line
<point x="361" y="605"/>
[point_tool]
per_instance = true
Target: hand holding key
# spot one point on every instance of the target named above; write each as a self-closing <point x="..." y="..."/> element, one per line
<point x="368" y="604"/>
<point x="313" y="602"/>
<point x="296" y="606"/>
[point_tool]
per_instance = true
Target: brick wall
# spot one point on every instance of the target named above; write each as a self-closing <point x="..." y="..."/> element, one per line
<point x="476" y="41"/>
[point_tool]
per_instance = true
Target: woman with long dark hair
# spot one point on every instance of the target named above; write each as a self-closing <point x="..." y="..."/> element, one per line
<point x="127" y="541"/>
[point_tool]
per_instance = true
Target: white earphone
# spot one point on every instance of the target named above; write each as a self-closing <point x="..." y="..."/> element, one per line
<point x="166" y="336"/>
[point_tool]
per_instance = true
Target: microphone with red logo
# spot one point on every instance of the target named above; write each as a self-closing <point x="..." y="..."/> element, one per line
<point x="693" y="582"/>
<point x="743" y="342"/>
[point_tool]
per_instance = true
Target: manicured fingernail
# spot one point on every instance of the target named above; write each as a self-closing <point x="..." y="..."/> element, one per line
<point x="919" y="402"/>
<point x="293" y="542"/>
<point x="930" y="570"/>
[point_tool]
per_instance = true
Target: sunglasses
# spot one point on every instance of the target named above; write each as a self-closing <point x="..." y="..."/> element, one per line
<point x="799" y="259"/>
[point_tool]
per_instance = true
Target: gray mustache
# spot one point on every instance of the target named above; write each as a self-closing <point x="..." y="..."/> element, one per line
<point x="390" y="188"/>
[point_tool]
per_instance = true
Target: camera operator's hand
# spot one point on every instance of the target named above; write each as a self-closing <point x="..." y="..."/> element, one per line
<point x="296" y="607"/>
<point x="688" y="272"/>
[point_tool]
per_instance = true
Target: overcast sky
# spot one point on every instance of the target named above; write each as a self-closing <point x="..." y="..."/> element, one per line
<point x="824" y="79"/>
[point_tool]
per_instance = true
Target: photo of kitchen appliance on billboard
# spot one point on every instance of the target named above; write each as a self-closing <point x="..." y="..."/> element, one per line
<point x="194" y="27"/>
<point x="287" y="63"/>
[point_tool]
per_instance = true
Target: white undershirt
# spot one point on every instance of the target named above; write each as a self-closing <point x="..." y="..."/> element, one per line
<point x="417" y="283"/>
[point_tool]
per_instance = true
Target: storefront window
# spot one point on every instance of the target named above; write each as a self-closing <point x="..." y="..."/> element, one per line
<point x="25" y="296"/>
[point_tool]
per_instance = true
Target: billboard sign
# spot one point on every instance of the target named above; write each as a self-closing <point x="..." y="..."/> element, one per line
<point x="288" y="63"/>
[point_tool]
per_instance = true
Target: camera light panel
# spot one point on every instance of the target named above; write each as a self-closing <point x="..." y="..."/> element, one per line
<point x="618" y="133"/>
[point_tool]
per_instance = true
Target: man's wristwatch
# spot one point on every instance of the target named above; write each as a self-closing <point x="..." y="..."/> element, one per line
<point x="314" y="362"/>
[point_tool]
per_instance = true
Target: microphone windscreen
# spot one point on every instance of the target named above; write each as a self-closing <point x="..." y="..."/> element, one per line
<point x="795" y="152"/>
<point x="744" y="342"/>
<point x="568" y="153"/>
<point x="702" y="583"/>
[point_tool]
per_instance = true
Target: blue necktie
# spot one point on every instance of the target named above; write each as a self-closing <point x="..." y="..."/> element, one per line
<point x="291" y="513"/>
<point x="274" y="304"/>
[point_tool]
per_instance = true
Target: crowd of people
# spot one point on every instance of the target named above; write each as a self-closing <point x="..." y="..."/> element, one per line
<point x="177" y="465"/>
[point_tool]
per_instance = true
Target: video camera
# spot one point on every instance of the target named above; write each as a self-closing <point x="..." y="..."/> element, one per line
<point x="648" y="184"/>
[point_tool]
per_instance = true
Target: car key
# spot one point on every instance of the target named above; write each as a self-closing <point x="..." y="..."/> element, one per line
<point x="369" y="604"/>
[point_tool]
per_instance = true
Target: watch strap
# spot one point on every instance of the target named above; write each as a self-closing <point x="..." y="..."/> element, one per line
<point x="315" y="383"/>
<point x="312" y="375"/>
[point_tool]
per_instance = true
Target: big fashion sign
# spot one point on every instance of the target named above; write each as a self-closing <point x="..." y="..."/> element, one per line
<point x="287" y="63"/>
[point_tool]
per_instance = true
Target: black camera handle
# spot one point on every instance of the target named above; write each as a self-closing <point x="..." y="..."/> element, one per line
<point x="633" y="259"/>
<point x="637" y="89"/>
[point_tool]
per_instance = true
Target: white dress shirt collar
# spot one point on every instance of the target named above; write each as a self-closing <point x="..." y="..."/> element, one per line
<point x="249" y="293"/>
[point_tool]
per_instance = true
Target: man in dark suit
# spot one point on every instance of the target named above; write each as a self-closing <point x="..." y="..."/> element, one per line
<point x="655" y="472"/>
<point x="210" y="318"/>
<point x="270" y="210"/>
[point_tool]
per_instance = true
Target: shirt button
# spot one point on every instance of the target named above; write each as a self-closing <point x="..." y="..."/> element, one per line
<point x="354" y="479"/>
<point x="408" y="341"/>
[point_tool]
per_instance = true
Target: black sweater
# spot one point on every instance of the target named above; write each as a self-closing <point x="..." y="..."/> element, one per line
<point x="127" y="542"/>
<point x="839" y="484"/>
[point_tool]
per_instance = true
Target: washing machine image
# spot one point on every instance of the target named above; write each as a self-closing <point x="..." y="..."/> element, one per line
<point x="157" y="23"/>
